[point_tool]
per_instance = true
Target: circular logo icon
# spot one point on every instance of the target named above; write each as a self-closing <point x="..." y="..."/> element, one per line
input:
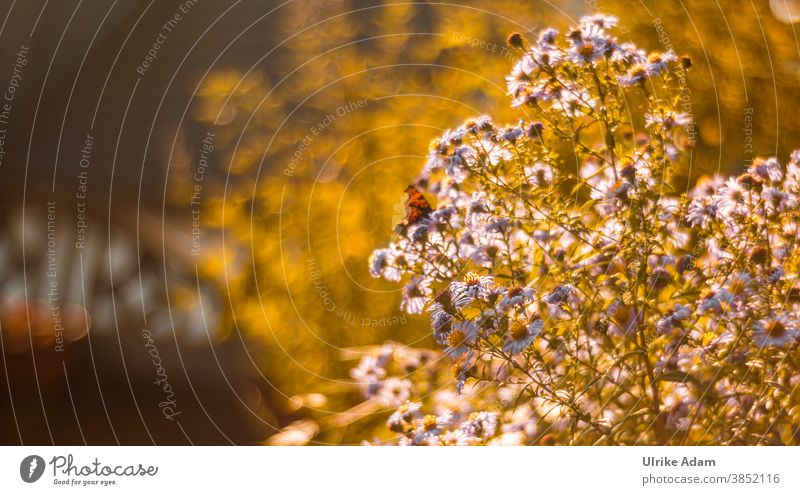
<point x="31" y="468"/>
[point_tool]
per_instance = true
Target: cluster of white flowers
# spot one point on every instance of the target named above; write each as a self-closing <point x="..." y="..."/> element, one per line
<point x="444" y="429"/>
<point x="383" y="374"/>
<point x="585" y="301"/>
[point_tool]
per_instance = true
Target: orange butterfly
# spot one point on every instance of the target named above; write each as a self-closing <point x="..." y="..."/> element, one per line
<point x="417" y="209"/>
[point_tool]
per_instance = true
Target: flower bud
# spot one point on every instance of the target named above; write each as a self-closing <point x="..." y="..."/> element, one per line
<point x="516" y="40"/>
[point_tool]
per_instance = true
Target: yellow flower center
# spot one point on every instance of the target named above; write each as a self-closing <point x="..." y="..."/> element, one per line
<point x="456" y="338"/>
<point x="430" y="422"/>
<point x="472" y="278"/>
<point x="519" y="331"/>
<point x="775" y="328"/>
<point x="637" y="71"/>
<point x="586" y="50"/>
<point x="655" y="58"/>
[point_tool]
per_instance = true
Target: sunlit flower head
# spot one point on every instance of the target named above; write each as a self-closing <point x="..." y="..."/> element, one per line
<point x="394" y="391"/>
<point x="416" y="295"/>
<point x="481" y="424"/>
<point x="775" y="331"/>
<point x="461" y="336"/>
<point x="767" y="169"/>
<point x="521" y="335"/>
<point x="516" y="296"/>
<point x="473" y="287"/>
<point x="636" y="74"/>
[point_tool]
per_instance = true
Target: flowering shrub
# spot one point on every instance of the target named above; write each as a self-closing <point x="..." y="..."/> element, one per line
<point x="579" y="297"/>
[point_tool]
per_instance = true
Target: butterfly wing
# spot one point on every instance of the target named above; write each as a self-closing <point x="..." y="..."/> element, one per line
<point x="417" y="207"/>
